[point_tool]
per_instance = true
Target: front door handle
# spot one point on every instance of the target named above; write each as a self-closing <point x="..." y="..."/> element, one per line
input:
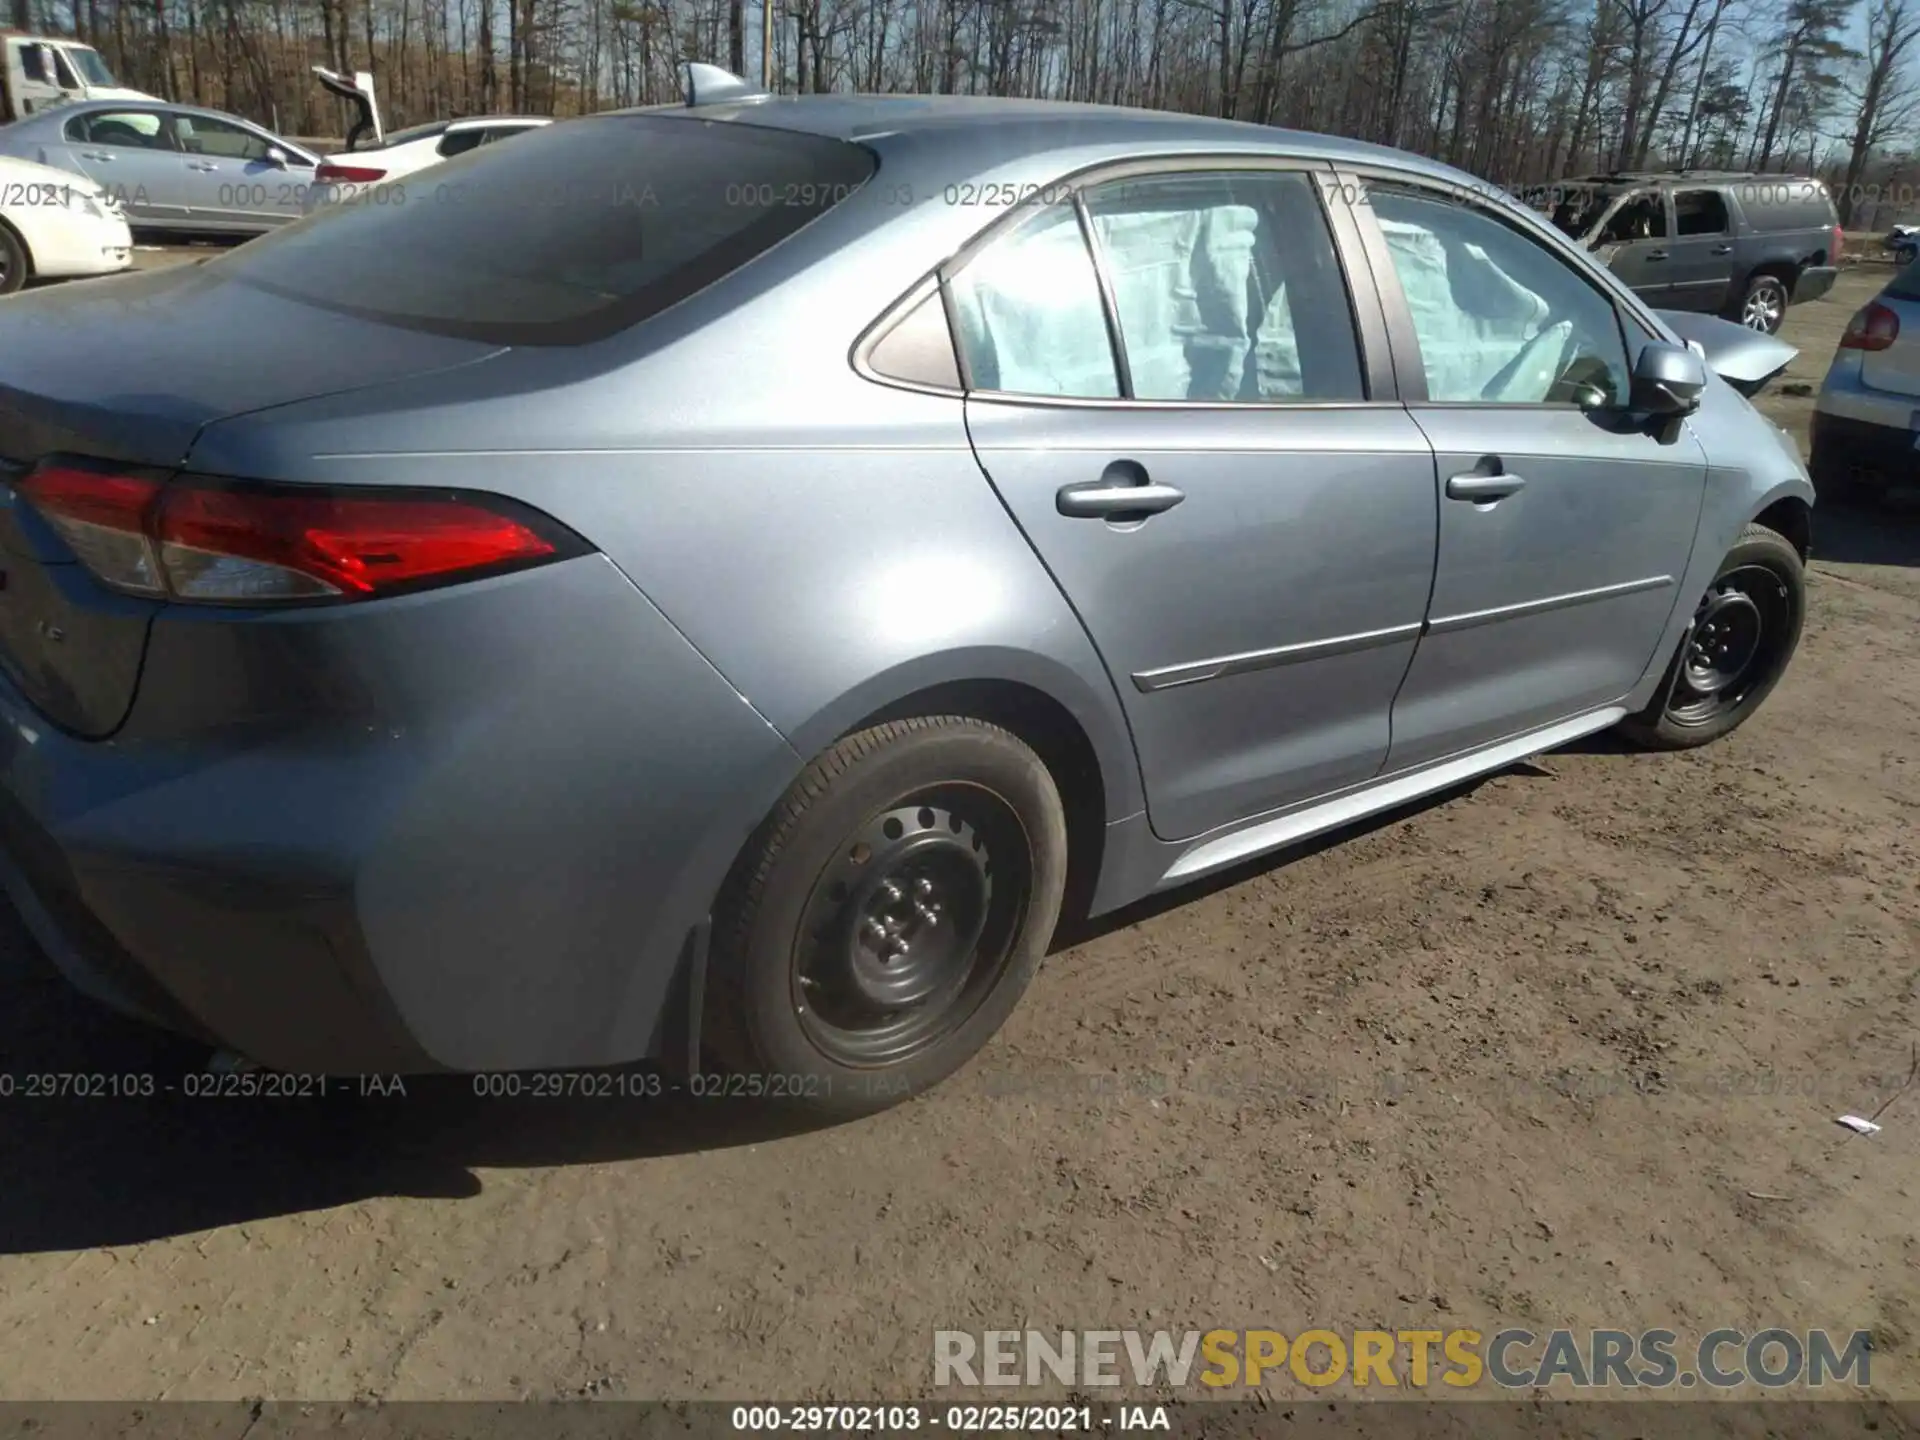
<point x="1656" y="255"/>
<point x="1122" y="490"/>
<point x="96" y="155"/>
<point x="202" y="165"/>
<point x="1722" y="250"/>
<point x="1483" y="489"/>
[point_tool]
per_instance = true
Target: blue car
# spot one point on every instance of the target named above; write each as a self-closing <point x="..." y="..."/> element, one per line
<point x="716" y="585"/>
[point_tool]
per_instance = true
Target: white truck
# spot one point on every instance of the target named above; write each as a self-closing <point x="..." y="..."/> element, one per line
<point x="37" y="71"/>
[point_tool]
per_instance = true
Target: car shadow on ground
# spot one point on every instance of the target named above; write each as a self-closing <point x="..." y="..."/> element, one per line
<point x="97" y="1169"/>
<point x="1870" y="531"/>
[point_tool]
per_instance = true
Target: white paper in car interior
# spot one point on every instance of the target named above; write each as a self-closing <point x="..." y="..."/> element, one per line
<point x="1474" y="321"/>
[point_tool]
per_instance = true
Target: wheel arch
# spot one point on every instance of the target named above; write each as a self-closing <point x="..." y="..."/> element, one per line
<point x="1086" y="749"/>
<point x="1792" y="516"/>
<point x="1051" y="731"/>
<point x="26" y="250"/>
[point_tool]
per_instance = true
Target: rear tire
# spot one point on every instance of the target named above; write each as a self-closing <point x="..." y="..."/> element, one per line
<point x="15" y="265"/>
<point x="1764" y="305"/>
<point x="887" y="916"/>
<point x="1746" y="628"/>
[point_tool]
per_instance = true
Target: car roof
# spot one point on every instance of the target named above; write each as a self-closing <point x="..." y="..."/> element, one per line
<point x="1629" y="178"/>
<point x="999" y="130"/>
<point x="68" y="108"/>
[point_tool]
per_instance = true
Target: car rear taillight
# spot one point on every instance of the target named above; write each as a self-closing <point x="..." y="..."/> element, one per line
<point x="347" y="174"/>
<point x="1874" y="328"/>
<point x="238" y="543"/>
<point x="1839" y="245"/>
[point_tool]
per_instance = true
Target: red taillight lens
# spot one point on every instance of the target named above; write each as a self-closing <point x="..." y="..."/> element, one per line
<point x="1874" y="328"/>
<point x="103" y="517"/>
<point x="347" y="174"/>
<point x="261" y="544"/>
<point x="329" y="544"/>
<point x="1839" y="245"/>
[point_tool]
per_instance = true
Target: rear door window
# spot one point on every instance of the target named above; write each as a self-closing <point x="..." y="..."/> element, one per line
<point x="1699" y="212"/>
<point x="1227" y="288"/>
<point x="568" y="236"/>
<point x="1905" y="285"/>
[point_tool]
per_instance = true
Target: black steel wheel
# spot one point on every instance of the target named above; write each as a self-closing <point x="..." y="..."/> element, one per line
<point x="909" y="926"/>
<point x="886" y="918"/>
<point x="1744" y="617"/>
<point x="1744" y="632"/>
<point x="15" y="267"/>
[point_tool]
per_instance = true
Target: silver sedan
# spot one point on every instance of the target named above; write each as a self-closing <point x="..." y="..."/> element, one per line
<point x="720" y="584"/>
<point x="172" y="167"/>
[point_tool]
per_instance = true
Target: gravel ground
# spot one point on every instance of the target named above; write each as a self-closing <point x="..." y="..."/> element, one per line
<point x="1564" y="1048"/>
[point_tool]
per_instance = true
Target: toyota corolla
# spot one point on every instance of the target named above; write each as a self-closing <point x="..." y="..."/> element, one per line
<point x="714" y="585"/>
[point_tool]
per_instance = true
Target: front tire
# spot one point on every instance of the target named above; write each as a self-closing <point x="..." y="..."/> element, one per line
<point x="1745" y="631"/>
<point x="15" y="266"/>
<point x="888" y="915"/>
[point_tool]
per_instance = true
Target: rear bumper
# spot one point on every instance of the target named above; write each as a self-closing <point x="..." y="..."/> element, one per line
<point x="465" y="830"/>
<point x="1814" y="282"/>
<point x="1864" y="451"/>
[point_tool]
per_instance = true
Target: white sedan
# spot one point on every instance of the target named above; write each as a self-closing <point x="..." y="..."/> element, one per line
<point x="406" y="152"/>
<point x="55" y="225"/>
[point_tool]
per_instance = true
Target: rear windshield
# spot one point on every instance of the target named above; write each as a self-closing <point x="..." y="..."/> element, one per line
<point x="415" y="132"/>
<point x="1905" y="285"/>
<point x="569" y="234"/>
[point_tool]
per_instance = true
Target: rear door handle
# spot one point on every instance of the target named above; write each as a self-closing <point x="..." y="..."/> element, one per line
<point x="1482" y="489"/>
<point x="1656" y="255"/>
<point x="96" y="155"/>
<point x="201" y="165"/>
<point x="1123" y="490"/>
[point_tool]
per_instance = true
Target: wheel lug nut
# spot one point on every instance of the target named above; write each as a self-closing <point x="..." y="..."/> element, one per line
<point x="923" y="887"/>
<point x="892" y="892"/>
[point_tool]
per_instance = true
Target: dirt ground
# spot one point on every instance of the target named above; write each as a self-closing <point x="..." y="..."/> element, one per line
<point x="1562" y="1049"/>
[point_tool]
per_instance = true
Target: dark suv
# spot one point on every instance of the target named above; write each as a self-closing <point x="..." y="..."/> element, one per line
<point x="1740" y="245"/>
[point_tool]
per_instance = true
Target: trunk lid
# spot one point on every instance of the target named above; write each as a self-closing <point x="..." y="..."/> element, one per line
<point x="130" y="369"/>
<point x="357" y="91"/>
<point x="1897" y="368"/>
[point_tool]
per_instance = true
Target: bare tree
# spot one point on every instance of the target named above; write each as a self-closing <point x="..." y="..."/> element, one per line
<point x="1807" y="50"/>
<point x="1886" y="95"/>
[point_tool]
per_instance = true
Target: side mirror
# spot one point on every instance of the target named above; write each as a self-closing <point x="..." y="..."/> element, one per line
<point x="1668" y="380"/>
<point x="277" y="157"/>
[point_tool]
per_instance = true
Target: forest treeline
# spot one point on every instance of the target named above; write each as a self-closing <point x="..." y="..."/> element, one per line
<point x="1517" y="91"/>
